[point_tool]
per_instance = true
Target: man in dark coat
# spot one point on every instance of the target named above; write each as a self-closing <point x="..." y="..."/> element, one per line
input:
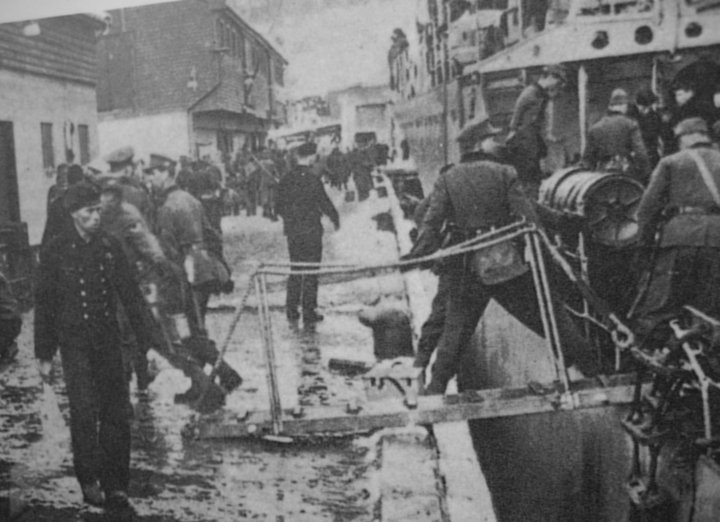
<point x="650" y="122"/>
<point x="687" y="105"/>
<point x="679" y="201"/>
<point x="615" y="144"/>
<point x="189" y="241"/>
<point x="526" y="140"/>
<point x="362" y="165"/>
<point x="474" y="197"/>
<point x="302" y="201"/>
<point x="83" y="274"/>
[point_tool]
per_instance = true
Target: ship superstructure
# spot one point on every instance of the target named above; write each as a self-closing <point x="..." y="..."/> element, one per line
<point x="467" y="58"/>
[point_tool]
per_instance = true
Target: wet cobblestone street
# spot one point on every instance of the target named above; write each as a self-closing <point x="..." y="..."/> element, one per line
<point x="178" y="479"/>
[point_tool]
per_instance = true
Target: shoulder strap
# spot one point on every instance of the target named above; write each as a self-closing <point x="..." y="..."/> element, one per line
<point x="706" y="175"/>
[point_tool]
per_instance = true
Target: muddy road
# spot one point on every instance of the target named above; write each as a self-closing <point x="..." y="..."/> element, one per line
<point x="177" y="478"/>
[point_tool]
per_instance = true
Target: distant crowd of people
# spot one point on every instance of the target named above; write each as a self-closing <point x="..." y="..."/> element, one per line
<point x="129" y="258"/>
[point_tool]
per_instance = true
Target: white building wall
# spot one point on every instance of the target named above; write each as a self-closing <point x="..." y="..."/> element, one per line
<point x="27" y="101"/>
<point x="165" y="133"/>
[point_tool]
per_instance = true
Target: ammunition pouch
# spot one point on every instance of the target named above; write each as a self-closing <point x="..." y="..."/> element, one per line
<point x="494" y="264"/>
<point x="498" y="263"/>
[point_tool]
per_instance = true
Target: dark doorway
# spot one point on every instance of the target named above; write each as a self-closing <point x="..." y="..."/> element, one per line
<point x="9" y="196"/>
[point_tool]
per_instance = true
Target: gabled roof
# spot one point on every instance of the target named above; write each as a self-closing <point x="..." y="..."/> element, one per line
<point x="222" y="5"/>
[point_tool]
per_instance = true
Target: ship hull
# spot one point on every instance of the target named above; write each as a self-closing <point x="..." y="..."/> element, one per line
<point x="568" y="465"/>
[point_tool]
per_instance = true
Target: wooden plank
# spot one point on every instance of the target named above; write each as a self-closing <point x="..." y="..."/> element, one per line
<point x="409" y="453"/>
<point x="431" y="410"/>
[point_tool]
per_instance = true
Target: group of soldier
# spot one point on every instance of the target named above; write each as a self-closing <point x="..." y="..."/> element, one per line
<point x="496" y="183"/>
<point x="127" y="263"/>
<point x="130" y="256"/>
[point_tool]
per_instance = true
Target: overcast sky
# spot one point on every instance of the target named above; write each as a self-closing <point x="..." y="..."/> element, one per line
<point x="330" y="44"/>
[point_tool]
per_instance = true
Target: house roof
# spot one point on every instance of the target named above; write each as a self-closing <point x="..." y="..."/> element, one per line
<point x="222" y="5"/>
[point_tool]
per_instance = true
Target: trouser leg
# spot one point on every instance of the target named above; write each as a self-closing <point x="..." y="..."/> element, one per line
<point x="466" y="303"/>
<point x="294" y="282"/>
<point x="432" y="328"/>
<point x="114" y="425"/>
<point x="78" y="373"/>
<point x="312" y="254"/>
<point x="302" y="289"/>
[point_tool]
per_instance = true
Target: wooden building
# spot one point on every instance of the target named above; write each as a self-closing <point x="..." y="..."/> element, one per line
<point x="187" y="78"/>
<point x="48" y="113"/>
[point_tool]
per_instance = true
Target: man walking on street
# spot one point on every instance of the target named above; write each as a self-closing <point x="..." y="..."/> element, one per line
<point x="83" y="275"/>
<point x="185" y="234"/>
<point x="302" y="201"/>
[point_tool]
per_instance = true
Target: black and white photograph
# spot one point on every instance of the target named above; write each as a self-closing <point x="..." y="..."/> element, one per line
<point x="360" y="260"/>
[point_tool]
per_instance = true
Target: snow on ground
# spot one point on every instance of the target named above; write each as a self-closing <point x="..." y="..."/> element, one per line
<point x="175" y="479"/>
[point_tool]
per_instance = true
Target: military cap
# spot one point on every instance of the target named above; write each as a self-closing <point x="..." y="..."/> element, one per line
<point x="691" y="126"/>
<point x="619" y="97"/>
<point x="306" y="149"/>
<point x="81" y="195"/>
<point x="558" y="70"/>
<point x="120" y="157"/>
<point x="158" y="161"/>
<point x="477" y="129"/>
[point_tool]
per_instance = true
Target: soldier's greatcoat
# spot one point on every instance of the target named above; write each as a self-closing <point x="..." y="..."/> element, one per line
<point x="527" y="127"/>
<point x="687" y="270"/>
<point x="474" y="197"/>
<point x="614" y="137"/>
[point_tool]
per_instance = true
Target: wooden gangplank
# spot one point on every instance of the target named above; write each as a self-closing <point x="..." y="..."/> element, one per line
<point x="394" y="413"/>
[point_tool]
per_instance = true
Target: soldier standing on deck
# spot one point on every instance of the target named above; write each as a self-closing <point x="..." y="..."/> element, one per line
<point x="526" y="141"/>
<point x="302" y="201"/>
<point x="615" y="142"/>
<point x="473" y="198"/>
<point x="83" y="274"/>
<point x="683" y="199"/>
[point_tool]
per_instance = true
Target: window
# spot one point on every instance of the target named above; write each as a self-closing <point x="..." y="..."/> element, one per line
<point x="279" y="72"/>
<point x="219" y="33"/>
<point x="84" y="139"/>
<point x="250" y="55"/>
<point x="48" y="152"/>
